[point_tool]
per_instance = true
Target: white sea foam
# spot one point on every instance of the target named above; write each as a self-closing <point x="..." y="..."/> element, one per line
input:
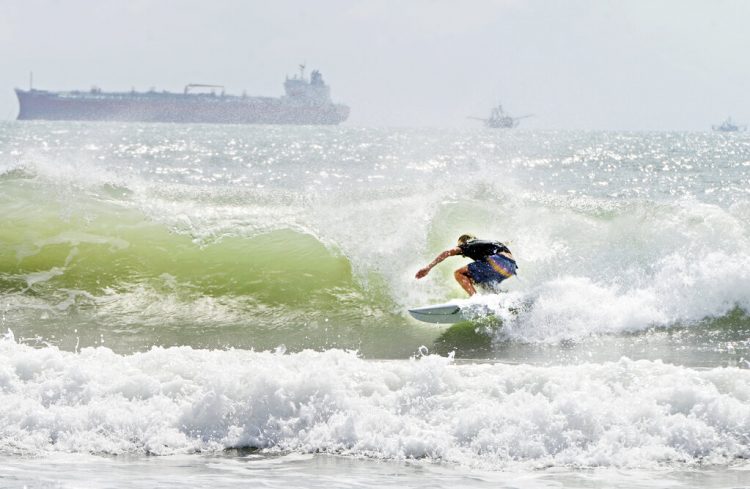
<point x="682" y="289"/>
<point x="181" y="400"/>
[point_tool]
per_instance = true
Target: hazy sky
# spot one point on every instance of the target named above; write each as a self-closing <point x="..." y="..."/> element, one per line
<point x="648" y="64"/>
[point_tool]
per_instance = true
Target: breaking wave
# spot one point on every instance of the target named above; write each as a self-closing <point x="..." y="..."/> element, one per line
<point x="267" y="242"/>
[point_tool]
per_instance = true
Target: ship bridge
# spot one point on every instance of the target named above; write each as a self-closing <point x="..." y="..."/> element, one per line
<point x="314" y="91"/>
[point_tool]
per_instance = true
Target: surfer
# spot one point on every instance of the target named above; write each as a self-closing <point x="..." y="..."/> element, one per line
<point x="493" y="263"/>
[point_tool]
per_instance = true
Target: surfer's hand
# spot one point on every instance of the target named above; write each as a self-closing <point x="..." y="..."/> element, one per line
<point x="422" y="272"/>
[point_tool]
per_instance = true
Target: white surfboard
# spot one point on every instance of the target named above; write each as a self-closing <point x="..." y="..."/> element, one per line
<point x="439" y="314"/>
<point x="456" y="312"/>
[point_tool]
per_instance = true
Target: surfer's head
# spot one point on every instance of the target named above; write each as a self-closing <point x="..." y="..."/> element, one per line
<point x="465" y="237"/>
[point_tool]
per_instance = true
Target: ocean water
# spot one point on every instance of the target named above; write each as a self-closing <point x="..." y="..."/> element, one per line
<point x="194" y="305"/>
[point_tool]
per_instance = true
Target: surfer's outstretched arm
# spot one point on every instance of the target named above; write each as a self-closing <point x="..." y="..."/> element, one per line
<point x="442" y="256"/>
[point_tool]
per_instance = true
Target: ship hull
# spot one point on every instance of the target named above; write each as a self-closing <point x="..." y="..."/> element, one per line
<point x="176" y="108"/>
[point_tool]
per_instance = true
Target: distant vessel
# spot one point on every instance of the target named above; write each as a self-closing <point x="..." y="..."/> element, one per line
<point x="305" y="102"/>
<point x="500" y="119"/>
<point x="728" y="126"/>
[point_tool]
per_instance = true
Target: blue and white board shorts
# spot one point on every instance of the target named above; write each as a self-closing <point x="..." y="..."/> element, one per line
<point x="494" y="269"/>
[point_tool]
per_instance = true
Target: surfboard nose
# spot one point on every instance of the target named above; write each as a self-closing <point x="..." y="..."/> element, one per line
<point x="438" y="314"/>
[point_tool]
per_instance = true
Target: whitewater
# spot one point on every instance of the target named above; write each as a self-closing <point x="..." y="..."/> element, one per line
<point x="185" y="305"/>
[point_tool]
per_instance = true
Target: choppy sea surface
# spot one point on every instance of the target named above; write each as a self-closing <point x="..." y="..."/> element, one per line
<point x="195" y="305"/>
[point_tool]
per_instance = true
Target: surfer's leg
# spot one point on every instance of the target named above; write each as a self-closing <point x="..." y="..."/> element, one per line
<point x="464" y="280"/>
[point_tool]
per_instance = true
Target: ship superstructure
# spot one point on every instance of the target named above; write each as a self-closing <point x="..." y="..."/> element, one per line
<point x="305" y="102"/>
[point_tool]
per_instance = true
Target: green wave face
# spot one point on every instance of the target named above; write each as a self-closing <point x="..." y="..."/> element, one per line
<point x="93" y="250"/>
<point x="75" y="271"/>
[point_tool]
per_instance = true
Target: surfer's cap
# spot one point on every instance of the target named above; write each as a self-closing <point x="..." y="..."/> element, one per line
<point x="465" y="237"/>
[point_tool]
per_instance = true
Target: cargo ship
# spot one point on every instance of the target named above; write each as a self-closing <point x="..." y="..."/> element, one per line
<point x="306" y="101"/>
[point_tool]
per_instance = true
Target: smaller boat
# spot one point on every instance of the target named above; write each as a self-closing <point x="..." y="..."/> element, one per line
<point x="728" y="126"/>
<point x="499" y="119"/>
